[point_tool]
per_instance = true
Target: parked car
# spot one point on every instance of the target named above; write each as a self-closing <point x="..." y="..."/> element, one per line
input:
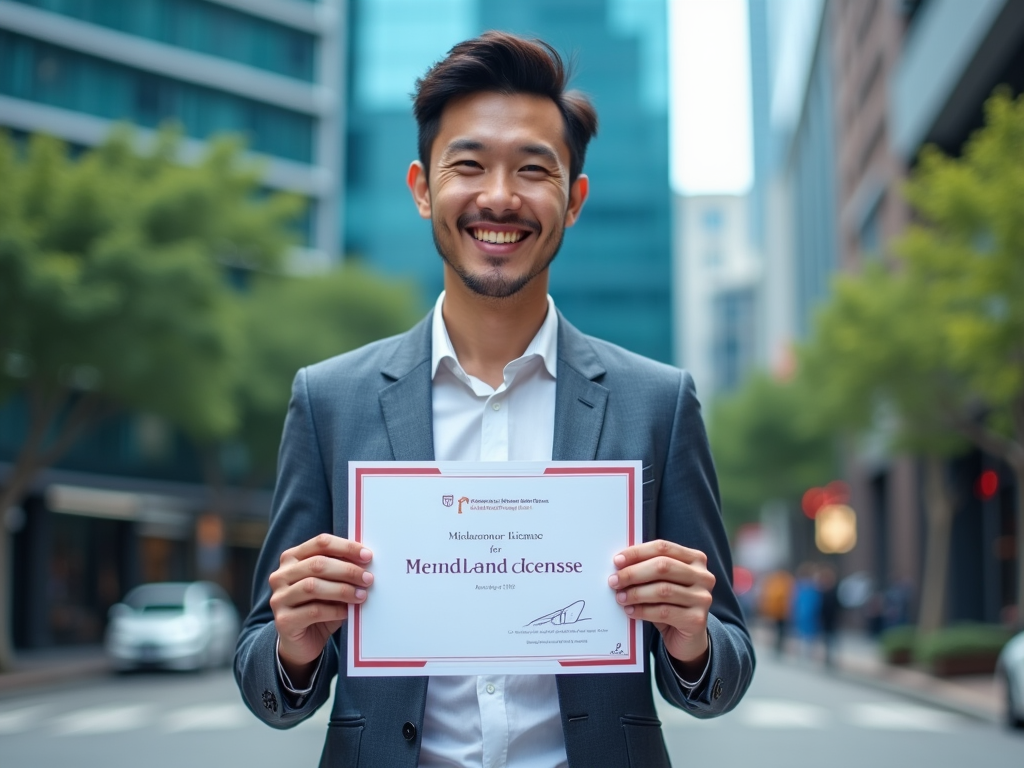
<point x="1011" y="666"/>
<point x="173" y="625"/>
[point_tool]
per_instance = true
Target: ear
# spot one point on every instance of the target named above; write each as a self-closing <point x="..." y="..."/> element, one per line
<point x="416" y="179"/>
<point x="577" y="197"/>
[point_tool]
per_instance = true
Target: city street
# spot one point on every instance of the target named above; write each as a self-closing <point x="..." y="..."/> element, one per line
<point x="794" y="716"/>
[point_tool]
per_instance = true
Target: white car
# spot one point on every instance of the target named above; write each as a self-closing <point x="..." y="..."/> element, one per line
<point x="1011" y="667"/>
<point x="172" y="625"/>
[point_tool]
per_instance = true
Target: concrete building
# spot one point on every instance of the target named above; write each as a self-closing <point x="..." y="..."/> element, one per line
<point x="716" y="280"/>
<point x="856" y="88"/>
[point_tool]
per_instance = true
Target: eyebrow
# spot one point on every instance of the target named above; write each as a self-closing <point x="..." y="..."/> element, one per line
<point x="472" y="145"/>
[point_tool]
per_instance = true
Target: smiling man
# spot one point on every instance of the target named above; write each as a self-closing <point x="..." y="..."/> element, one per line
<point x="495" y="373"/>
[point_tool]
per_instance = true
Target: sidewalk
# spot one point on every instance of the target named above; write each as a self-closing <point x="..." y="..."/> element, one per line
<point x="858" y="659"/>
<point x="36" y="669"/>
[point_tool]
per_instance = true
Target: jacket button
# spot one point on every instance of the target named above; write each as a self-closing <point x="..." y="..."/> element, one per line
<point x="270" y="700"/>
<point x="409" y="731"/>
<point x="716" y="689"/>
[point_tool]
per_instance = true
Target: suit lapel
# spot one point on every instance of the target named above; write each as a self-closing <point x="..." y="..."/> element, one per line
<point x="579" y="400"/>
<point x="406" y="401"/>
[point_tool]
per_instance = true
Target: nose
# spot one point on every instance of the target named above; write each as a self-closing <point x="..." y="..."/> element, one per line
<point x="498" y="192"/>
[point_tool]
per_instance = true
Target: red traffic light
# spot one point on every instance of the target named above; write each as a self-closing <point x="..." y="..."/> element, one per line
<point x="986" y="485"/>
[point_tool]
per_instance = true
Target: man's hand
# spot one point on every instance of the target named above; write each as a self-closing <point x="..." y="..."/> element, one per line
<point x="670" y="586"/>
<point x="311" y="591"/>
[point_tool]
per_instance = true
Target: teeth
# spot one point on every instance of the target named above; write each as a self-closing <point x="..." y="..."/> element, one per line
<point x="496" y="237"/>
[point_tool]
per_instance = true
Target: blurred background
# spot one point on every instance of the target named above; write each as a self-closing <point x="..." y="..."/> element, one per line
<point x="197" y="197"/>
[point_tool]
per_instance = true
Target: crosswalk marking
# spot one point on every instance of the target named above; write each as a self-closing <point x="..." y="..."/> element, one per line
<point x="771" y="713"/>
<point x="17" y="720"/>
<point x="902" y="717"/>
<point x="755" y="713"/>
<point x="208" y="717"/>
<point x="97" y="720"/>
<point x="785" y="714"/>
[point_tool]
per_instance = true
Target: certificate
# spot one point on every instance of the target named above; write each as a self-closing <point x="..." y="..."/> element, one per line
<point x="493" y="567"/>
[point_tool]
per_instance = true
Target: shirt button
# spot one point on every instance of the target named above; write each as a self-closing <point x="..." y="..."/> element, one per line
<point x="490" y="687"/>
<point x="409" y="731"/>
<point x="496" y="405"/>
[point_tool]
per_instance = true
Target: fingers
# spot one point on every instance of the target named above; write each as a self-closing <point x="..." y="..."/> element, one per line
<point x="329" y="546"/>
<point x="659" y="548"/>
<point x="663" y="568"/>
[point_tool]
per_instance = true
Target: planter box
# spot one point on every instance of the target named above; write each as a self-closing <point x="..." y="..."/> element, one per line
<point x="900" y="657"/>
<point x="980" y="663"/>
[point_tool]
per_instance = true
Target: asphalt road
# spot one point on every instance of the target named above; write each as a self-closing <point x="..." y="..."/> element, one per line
<point x="793" y="716"/>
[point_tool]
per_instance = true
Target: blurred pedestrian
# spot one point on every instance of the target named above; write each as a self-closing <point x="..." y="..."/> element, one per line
<point x="828" y="612"/>
<point x="776" y="597"/>
<point x="807" y="606"/>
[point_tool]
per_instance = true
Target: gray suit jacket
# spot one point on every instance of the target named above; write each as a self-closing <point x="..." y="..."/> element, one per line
<point x="374" y="404"/>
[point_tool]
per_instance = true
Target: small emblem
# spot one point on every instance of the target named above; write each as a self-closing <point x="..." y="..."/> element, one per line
<point x="463" y="500"/>
<point x="448" y="499"/>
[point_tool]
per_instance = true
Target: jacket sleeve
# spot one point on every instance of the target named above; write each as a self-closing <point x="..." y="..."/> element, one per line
<point x="689" y="514"/>
<point x="301" y="509"/>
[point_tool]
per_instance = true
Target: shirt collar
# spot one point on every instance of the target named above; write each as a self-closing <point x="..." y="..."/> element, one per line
<point x="543" y="345"/>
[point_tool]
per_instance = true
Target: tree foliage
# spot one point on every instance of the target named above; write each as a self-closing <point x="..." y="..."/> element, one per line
<point x="766" y="448"/>
<point x="290" y="322"/>
<point x="939" y="338"/>
<point x="113" y="289"/>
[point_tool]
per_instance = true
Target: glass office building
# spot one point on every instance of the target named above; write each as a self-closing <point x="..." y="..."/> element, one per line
<point x="125" y="504"/>
<point x="612" y="277"/>
<point x="269" y="70"/>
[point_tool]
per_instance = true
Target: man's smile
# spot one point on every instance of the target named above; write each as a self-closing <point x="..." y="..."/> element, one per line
<point x="499" y="236"/>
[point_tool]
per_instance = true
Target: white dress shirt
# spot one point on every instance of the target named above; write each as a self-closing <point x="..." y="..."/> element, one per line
<point x="494" y="721"/>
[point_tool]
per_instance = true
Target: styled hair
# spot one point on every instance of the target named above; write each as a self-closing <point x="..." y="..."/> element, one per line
<point x="503" y="63"/>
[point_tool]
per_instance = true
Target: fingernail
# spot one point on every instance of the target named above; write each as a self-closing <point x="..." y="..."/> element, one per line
<point x="613" y="580"/>
<point x="629" y="610"/>
<point x="620" y="596"/>
<point x="365" y="554"/>
<point x="360" y="594"/>
<point x="367" y="577"/>
<point x="620" y="560"/>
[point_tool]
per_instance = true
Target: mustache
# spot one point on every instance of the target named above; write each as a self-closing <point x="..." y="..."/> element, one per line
<point x="469" y="220"/>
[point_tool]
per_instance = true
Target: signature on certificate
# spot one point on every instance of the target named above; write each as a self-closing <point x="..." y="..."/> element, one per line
<point x="568" y="615"/>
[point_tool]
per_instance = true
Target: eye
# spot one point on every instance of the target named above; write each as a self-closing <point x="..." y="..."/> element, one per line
<point x="533" y="169"/>
<point x="467" y="164"/>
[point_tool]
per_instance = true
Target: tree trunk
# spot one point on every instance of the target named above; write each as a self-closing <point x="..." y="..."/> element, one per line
<point x="939" y="513"/>
<point x="12" y="493"/>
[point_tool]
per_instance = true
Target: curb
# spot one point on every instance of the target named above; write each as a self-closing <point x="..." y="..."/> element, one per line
<point x="918" y="691"/>
<point x="21" y="680"/>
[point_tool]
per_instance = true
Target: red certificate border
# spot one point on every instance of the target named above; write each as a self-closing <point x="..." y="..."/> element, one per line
<point x="362" y="473"/>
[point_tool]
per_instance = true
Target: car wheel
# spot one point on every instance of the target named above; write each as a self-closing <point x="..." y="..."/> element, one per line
<point x="1014" y="719"/>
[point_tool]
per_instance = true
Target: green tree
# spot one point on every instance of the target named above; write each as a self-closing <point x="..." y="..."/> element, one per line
<point x="968" y="253"/>
<point x="940" y="340"/>
<point x="113" y="291"/>
<point x="766" y="448"/>
<point x="293" y="321"/>
<point x="878" y="349"/>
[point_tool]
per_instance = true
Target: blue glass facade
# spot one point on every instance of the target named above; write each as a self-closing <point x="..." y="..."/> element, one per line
<point x="613" y="275"/>
<point x="48" y="74"/>
<point x="816" y="245"/>
<point x="200" y="26"/>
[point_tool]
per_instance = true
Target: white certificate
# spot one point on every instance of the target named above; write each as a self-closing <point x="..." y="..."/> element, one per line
<point x="493" y="567"/>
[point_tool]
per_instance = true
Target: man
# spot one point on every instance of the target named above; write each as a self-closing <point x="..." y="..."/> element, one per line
<point x="494" y="373"/>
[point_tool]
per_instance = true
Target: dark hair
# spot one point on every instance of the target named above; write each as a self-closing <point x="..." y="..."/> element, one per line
<point x="507" y="64"/>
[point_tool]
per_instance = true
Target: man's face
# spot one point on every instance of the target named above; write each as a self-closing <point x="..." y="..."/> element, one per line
<point x="498" y="193"/>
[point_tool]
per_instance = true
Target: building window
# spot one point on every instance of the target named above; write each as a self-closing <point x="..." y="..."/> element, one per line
<point x="203" y="27"/>
<point x="46" y="74"/>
